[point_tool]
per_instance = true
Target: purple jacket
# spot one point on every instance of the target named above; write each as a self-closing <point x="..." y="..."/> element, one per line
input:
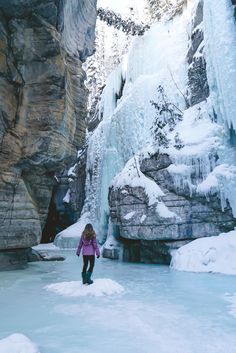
<point x="90" y="247"/>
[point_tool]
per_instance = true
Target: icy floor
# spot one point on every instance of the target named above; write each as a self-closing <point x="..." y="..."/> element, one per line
<point x="159" y="311"/>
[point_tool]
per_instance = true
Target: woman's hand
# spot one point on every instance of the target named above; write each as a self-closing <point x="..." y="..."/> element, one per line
<point x="98" y="256"/>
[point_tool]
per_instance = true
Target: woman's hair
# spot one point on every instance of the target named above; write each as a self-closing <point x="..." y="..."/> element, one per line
<point x="89" y="232"/>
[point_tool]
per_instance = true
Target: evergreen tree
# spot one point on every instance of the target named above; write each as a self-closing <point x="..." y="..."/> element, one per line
<point x="178" y="142"/>
<point x="166" y="118"/>
<point x="127" y="25"/>
<point x="164" y="8"/>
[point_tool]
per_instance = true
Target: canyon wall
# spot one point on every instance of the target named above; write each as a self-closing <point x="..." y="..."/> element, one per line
<point x="42" y="110"/>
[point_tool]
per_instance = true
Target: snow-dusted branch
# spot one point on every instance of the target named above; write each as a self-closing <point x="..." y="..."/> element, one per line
<point x="127" y="25"/>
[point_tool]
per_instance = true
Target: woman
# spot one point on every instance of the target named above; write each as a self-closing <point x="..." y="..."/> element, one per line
<point x="89" y="244"/>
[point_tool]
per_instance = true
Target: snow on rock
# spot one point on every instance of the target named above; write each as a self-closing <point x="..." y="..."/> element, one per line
<point x="216" y="179"/>
<point x="142" y="219"/>
<point x="66" y="198"/>
<point x="111" y="243"/>
<point x="17" y="343"/>
<point x="129" y="215"/>
<point x="132" y="176"/>
<point x="69" y="238"/>
<point x="213" y="254"/>
<point x="200" y="136"/>
<point x="164" y="212"/>
<point x="205" y="155"/>
<point x="100" y="287"/>
<point x="42" y="247"/>
<point x="179" y="169"/>
<point x="71" y="171"/>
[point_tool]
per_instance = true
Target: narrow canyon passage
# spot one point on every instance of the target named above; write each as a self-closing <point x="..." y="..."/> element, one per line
<point x="117" y="144"/>
<point x="160" y="310"/>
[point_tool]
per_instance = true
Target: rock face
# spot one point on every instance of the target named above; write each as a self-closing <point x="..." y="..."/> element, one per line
<point x="149" y="237"/>
<point x="146" y="236"/>
<point x="67" y="199"/>
<point x="197" y="77"/>
<point x="42" y="107"/>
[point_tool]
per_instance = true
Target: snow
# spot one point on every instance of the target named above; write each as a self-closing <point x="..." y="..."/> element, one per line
<point x="71" y="171"/>
<point x="100" y="287"/>
<point x="179" y="169"/>
<point x="164" y="212"/>
<point x="111" y="243"/>
<point x="154" y="310"/>
<point x="159" y="58"/>
<point x="129" y="215"/>
<point x="66" y="198"/>
<point x="205" y="155"/>
<point x="126" y="125"/>
<point x="80" y="153"/>
<point x="17" y="343"/>
<point x="69" y="238"/>
<point x="213" y="254"/>
<point x="122" y="6"/>
<point x="132" y="176"/>
<point x="199" y="134"/>
<point x="215" y="179"/>
<point x="142" y="219"/>
<point x="48" y="246"/>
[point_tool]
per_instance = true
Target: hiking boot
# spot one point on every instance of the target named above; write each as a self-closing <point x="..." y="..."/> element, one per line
<point x="83" y="274"/>
<point x="88" y="278"/>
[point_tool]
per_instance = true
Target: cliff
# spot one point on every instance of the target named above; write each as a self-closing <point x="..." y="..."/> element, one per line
<point x="192" y="201"/>
<point x="42" y="110"/>
<point x="161" y="164"/>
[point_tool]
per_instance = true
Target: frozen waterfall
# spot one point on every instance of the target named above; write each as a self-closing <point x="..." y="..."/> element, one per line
<point x="159" y="59"/>
<point x="126" y="126"/>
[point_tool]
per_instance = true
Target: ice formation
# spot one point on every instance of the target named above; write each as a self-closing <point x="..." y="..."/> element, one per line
<point x="159" y="58"/>
<point x="213" y="254"/>
<point x="17" y="343"/>
<point x="219" y="30"/>
<point x="126" y="124"/>
<point x="100" y="287"/>
<point x="69" y="238"/>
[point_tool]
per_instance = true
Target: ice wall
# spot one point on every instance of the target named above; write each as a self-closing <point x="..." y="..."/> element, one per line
<point x="220" y="37"/>
<point x="206" y="163"/>
<point x="126" y="125"/>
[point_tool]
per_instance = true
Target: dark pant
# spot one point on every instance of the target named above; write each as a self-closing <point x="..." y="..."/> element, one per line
<point x="88" y="259"/>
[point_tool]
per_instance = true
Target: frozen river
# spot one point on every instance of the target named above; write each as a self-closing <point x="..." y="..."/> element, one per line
<point x="160" y="310"/>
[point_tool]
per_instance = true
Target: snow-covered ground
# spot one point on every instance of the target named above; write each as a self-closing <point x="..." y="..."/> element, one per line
<point x="17" y="343"/>
<point x="48" y="246"/>
<point x="100" y="287"/>
<point x="160" y="310"/>
<point x="213" y="254"/>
